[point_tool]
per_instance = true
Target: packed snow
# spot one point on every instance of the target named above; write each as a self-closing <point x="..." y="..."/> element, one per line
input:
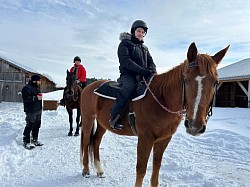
<point x="219" y="157"/>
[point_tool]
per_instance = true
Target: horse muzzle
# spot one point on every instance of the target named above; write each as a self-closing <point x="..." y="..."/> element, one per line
<point x="192" y="129"/>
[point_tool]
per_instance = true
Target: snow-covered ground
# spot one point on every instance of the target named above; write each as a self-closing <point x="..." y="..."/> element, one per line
<point x="220" y="157"/>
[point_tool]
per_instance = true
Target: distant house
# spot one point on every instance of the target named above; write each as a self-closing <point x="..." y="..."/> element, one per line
<point x="234" y="87"/>
<point x="13" y="76"/>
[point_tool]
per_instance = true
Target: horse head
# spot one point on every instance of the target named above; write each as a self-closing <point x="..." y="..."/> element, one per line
<point x="71" y="83"/>
<point x="199" y="87"/>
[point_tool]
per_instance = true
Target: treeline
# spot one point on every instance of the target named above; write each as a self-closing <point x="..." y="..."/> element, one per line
<point x="89" y="81"/>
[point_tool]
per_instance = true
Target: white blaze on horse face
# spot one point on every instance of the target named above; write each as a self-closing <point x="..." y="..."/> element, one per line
<point x="198" y="97"/>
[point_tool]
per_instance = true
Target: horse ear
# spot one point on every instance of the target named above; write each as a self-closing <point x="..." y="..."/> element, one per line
<point x="219" y="56"/>
<point x="67" y="71"/>
<point x="192" y="52"/>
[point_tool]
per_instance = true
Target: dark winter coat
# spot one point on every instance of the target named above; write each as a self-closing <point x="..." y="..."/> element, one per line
<point x="133" y="56"/>
<point x="30" y="100"/>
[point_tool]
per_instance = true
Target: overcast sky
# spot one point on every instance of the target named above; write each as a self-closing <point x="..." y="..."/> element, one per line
<point x="46" y="34"/>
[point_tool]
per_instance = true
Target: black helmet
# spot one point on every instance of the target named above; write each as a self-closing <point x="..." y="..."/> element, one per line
<point x="139" y="23"/>
<point x="77" y="58"/>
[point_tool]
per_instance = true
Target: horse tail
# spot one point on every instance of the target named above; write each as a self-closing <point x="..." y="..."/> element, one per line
<point x="81" y="146"/>
<point x="90" y="146"/>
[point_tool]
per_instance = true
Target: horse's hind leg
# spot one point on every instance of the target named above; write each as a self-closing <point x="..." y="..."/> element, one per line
<point x="70" y="113"/>
<point x="78" y="121"/>
<point x="100" y="131"/>
<point x="86" y="136"/>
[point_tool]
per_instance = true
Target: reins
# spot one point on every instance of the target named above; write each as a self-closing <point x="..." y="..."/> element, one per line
<point x="183" y="111"/>
<point x="180" y="112"/>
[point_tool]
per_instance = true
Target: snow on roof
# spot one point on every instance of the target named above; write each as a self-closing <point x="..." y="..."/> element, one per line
<point x="21" y="66"/>
<point x="237" y="70"/>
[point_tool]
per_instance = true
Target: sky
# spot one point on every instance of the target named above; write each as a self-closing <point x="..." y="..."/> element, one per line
<point x="217" y="158"/>
<point x="46" y="35"/>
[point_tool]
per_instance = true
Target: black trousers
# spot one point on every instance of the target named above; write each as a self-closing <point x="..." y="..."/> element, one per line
<point x="33" y="124"/>
<point x="128" y="87"/>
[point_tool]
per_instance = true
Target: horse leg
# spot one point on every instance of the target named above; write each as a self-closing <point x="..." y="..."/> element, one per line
<point x="78" y="121"/>
<point x="144" y="147"/>
<point x="100" y="131"/>
<point x="158" y="150"/>
<point x="86" y="136"/>
<point x="70" y="113"/>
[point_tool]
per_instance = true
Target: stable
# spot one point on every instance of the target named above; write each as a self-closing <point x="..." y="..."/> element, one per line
<point x="234" y="87"/>
<point x="13" y="76"/>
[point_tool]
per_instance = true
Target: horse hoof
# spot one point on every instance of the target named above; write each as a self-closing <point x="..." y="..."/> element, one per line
<point x="85" y="174"/>
<point x="70" y="134"/>
<point x="101" y="175"/>
<point x="76" y="134"/>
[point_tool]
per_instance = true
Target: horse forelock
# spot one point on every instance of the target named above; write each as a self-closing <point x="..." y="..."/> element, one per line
<point x="206" y="64"/>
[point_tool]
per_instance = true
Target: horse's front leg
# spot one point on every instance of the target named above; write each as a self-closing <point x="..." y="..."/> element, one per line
<point x="70" y="113"/>
<point x="78" y="121"/>
<point x="144" y="147"/>
<point x="158" y="151"/>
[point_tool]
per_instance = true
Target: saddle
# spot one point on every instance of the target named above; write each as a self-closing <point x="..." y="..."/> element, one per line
<point x="110" y="89"/>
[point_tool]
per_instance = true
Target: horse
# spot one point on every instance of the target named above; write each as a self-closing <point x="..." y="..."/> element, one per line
<point x="72" y="96"/>
<point x="189" y="86"/>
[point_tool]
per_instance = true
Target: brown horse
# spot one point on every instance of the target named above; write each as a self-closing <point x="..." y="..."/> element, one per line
<point x="72" y="96"/>
<point x="190" y="84"/>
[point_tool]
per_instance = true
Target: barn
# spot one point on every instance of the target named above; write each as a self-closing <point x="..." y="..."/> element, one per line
<point x="13" y="76"/>
<point x="234" y="86"/>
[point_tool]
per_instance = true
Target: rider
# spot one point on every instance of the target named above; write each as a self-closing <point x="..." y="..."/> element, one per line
<point x="80" y="74"/>
<point x="134" y="59"/>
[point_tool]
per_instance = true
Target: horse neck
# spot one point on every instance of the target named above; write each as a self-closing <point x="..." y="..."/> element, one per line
<point x="168" y="87"/>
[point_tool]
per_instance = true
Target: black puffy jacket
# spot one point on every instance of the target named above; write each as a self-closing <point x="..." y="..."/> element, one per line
<point x="30" y="100"/>
<point x="134" y="56"/>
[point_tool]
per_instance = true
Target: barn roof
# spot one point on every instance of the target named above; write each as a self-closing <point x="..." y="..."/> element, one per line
<point x="237" y="70"/>
<point x="23" y="67"/>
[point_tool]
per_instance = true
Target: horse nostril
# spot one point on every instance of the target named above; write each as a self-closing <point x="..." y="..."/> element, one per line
<point x="203" y="129"/>
<point x="186" y="123"/>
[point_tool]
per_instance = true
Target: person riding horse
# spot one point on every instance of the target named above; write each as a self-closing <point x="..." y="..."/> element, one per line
<point x="80" y="74"/>
<point x="134" y="59"/>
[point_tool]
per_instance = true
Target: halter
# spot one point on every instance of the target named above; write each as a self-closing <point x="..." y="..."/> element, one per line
<point x="183" y="111"/>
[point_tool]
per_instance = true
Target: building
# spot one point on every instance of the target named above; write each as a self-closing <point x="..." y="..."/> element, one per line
<point x="234" y="86"/>
<point x="13" y="76"/>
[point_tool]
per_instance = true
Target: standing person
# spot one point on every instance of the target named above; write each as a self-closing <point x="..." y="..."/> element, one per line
<point x="135" y="60"/>
<point x="80" y="74"/>
<point x="32" y="101"/>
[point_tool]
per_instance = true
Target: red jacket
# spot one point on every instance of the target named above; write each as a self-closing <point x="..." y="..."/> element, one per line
<point x="80" y="72"/>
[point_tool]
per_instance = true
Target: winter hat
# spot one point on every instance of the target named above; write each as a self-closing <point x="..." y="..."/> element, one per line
<point x="35" y="77"/>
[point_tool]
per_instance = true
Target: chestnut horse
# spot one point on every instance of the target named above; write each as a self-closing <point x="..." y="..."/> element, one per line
<point x="190" y="85"/>
<point x="72" y="96"/>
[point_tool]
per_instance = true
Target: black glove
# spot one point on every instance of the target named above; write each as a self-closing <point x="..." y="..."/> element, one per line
<point x="146" y="73"/>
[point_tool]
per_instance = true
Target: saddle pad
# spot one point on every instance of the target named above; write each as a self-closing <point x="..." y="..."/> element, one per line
<point x="110" y="90"/>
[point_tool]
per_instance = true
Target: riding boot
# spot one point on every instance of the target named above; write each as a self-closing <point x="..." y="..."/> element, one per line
<point x="115" y="123"/>
<point x="62" y="102"/>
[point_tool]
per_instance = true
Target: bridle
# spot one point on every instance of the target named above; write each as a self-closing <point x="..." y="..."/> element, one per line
<point x="184" y="82"/>
<point x="72" y="94"/>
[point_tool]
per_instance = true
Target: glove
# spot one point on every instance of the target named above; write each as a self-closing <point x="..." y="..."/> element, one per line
<point x="146" y="73"/>
<point x="77" y="81"/>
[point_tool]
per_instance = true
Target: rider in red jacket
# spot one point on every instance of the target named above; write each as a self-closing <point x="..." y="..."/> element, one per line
<point x="80" y="73"/>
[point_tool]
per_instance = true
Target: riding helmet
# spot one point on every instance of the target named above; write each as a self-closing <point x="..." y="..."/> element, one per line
<point x="77" y="58"/>
<point x="139" y="23"/>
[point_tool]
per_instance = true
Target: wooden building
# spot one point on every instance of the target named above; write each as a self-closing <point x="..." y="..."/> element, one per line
<point x="13" y="76"/>
<point x="234" y="86"/>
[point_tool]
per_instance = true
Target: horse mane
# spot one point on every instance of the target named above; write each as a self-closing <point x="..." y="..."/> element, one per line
<point x="164" y="82"/>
